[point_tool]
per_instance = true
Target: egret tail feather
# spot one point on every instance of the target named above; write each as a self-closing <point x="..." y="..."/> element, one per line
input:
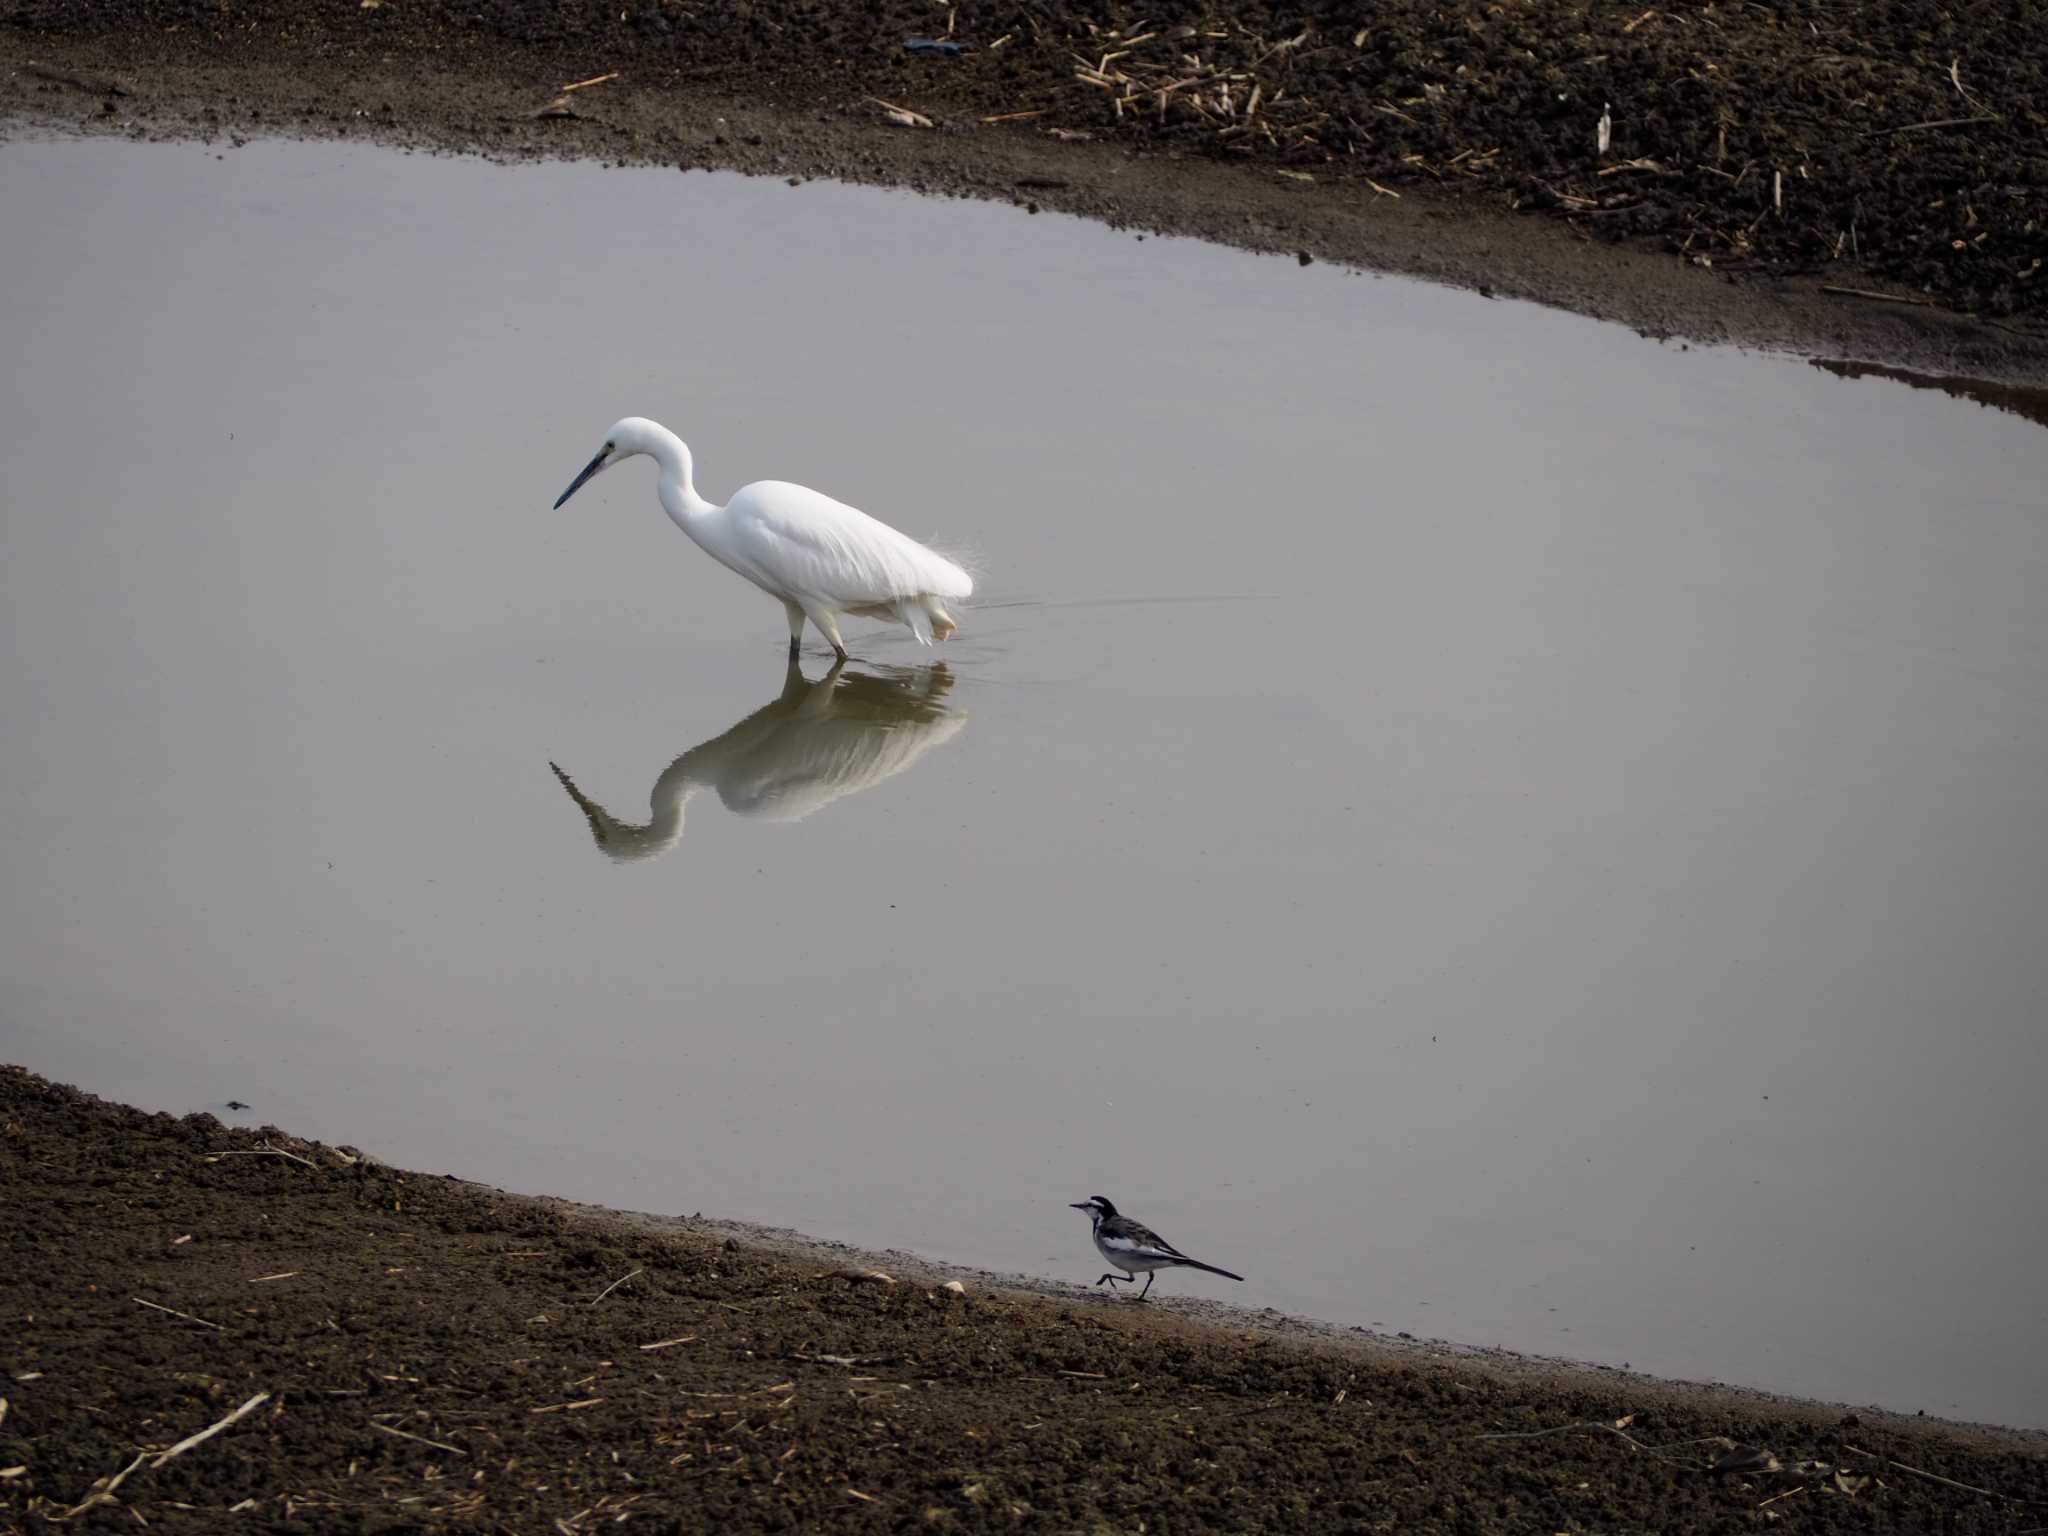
<point x="911" y="610"/>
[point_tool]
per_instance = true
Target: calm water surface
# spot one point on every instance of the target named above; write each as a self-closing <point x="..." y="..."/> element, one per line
<point x="1493" y="827"/>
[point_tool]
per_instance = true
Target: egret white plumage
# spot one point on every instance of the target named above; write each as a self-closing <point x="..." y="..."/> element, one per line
<point x="819" y="557"/>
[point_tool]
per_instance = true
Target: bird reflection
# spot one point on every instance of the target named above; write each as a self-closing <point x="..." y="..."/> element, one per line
<point x="812" y="744"/>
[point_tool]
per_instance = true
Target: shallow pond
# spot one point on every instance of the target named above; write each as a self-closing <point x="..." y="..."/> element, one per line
<point x="1495" y="827"/>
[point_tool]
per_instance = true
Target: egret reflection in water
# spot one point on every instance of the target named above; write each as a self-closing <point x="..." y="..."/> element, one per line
<point x="810" y="745"/>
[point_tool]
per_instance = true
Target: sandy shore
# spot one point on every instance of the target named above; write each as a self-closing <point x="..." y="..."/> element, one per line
<point x="1817" y="183"/>
<point x="388" y="1350"/>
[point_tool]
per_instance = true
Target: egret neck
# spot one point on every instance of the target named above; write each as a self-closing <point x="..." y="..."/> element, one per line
<point x="676" y="488"/>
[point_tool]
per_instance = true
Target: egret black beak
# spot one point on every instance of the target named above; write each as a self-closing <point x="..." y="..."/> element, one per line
<point x="603" y="458"/>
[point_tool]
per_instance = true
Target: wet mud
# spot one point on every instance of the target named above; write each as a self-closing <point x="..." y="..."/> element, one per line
<point x="1865" y="182"/>
<point x="384" y="1350"/>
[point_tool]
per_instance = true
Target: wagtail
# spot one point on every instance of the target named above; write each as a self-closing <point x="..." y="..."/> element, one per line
<point x="1132" y="1246"/>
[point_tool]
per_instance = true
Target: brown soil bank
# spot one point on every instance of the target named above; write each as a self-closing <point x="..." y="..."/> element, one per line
<point x="394" y="1351"/>
<point x="1864" y="178"/>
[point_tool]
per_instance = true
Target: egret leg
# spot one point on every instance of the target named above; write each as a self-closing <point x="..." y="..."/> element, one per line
<point x="828" y="625"/>
<point x="796" y="628"/>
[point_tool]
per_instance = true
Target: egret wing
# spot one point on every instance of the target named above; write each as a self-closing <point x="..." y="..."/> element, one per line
<point x="807" y="544"/>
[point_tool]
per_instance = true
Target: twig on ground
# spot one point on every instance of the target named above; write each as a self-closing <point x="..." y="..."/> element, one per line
<point x="1876" y="297"/>
<point x="405" y="1434"/>
<point x="174" y="1312"/>
<point x="593" y="80"/>
<point x="103" y="1490"/>
<point x="903" y="117"/>
<point x="266" y="1150"/>
<point x="1607" y="1428"/>
<point x="1936" y="1477"/>
<point x="1955" y="76"/>
<point x="600" y="1296"/>
<point x="1943" y="122"/>
<point x="688" y="1338"/>
<point x="211" y="1430"/>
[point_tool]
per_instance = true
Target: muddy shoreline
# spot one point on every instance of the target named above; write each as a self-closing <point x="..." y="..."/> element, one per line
<point x="396" y="1350"/>
<point x="756" y="97"/>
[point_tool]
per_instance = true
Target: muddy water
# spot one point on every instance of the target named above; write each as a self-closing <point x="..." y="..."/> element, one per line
<point x="1492" y="826"/>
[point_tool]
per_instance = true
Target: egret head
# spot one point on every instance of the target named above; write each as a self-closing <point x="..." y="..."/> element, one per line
<point x="1096" y="1206"/>
<point x="634" y="434"/>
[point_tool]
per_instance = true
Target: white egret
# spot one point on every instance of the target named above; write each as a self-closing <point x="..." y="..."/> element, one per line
<point x="819" y="557"/>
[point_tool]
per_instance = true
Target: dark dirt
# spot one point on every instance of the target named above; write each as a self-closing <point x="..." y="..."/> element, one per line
<point x="1761" y="156"/>
<point x="439" y="1355"/>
